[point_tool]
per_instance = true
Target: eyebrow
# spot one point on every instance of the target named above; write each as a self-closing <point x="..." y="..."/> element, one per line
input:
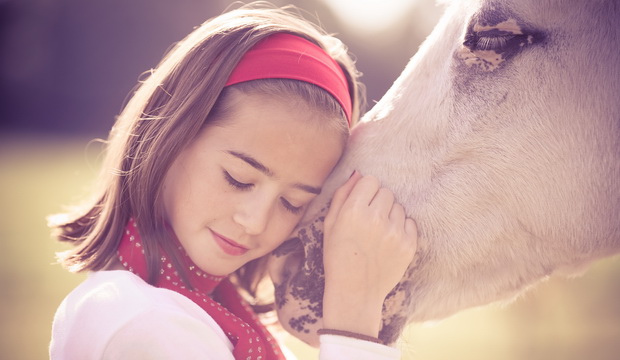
<point x="265" y="170"/>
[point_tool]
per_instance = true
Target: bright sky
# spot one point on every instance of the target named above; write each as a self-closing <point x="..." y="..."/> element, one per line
<point x="370" y="15"/>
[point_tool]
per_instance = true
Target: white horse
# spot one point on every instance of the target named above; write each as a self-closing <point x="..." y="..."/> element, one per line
<point x="502" y="140"/>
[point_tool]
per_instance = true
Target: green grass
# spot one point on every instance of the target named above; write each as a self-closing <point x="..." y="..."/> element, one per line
<point x="561" y="319"/>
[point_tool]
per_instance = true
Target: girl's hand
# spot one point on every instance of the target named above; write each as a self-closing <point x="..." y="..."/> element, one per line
<point x="368" y="245"/>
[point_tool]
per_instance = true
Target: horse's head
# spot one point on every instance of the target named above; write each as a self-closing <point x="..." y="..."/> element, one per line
<point x="502" y="140"/>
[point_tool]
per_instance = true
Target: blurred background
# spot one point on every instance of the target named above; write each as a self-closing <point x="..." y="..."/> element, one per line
<point x="66" y="67"/>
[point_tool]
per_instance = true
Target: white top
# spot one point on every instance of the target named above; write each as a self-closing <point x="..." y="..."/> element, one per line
<point x="117" y="315"/>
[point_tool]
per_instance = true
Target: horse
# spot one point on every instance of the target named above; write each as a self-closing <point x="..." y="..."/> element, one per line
<point x="501" y="138"/>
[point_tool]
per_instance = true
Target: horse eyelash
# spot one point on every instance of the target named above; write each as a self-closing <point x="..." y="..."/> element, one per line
<point x="492" y="42"/>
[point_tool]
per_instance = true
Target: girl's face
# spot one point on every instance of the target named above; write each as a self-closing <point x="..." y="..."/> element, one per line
<point x="237" y="191"/>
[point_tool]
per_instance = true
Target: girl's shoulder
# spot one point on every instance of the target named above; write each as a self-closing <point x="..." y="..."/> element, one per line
<point x="118" y="294"/>
<point x="109" y="302"/>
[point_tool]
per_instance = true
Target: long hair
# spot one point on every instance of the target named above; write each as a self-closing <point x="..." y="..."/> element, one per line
<point x="165" y="113"/>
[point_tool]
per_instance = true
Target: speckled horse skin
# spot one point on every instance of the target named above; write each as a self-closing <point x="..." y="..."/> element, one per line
<point x="502" y="140"/>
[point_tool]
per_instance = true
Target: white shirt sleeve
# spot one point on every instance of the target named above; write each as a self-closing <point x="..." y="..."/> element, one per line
<point x="166" y="335"/>
<point x="335" y="347"/>
<point x="182" y="337"/>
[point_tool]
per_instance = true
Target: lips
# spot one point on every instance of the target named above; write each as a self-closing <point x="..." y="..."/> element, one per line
<point x="228" y="246"/>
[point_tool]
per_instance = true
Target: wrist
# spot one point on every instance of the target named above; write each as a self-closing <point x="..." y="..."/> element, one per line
<point x="350" y="334"/>
<point x="353" y="314"/>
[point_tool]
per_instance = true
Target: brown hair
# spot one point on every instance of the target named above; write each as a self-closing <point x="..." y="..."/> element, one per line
<point x="177" y="99"/>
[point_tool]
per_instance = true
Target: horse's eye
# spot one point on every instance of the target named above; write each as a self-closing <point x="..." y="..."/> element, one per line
<point x="487" y="46"/>
<point x="496" y="40"/>
<point x="491" y="43"/>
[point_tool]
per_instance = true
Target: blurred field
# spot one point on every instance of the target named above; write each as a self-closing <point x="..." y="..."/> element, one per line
<point x="561" y="319"/>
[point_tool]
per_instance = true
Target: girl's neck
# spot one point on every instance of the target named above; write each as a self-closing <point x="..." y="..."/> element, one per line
<point x="114" y="264"/>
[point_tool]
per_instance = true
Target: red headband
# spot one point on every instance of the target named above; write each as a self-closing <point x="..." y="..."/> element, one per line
<point x="286" y="56"/>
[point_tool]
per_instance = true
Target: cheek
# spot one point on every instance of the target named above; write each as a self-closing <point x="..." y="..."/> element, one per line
<point x="186" y="193"/>
<point x="281" y="228"/>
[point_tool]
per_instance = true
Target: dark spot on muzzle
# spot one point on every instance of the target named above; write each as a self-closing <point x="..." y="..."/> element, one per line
<point x="303" y="285"/>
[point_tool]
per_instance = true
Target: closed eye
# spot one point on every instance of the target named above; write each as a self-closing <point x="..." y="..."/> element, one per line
<point x="496" y="43"/>
<point x="496" y="40"/>
<point x="492" y="39"/>
<point x="296" y="210"/>
<point x="507" y="37"/>
<point x="235" y="183"/>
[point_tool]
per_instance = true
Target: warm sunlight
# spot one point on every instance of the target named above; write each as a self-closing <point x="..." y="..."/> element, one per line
<point x="370" y="16"/>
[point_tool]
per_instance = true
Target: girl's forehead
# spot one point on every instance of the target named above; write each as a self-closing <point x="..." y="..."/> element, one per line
<point x="284" y="137"/>
<point x="279" y="113"/>
<point x="277" y="127"/>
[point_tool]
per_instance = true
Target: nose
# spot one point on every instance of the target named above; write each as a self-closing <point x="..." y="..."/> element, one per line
<point x="253" y="213"/>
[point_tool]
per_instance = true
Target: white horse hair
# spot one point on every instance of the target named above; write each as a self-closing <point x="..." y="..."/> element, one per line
<point x="502" y="140"/>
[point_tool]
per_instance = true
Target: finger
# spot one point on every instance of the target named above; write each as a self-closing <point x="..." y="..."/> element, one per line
<point x="364" y="191"/>
<point x="411" y="229"/>
<point x="397" y="215"/>
<point x="341" y="195"/>
<point x="383" y="202"/>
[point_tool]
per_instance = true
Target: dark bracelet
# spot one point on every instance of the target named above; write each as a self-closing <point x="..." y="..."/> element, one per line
<point x="349" y="334"/>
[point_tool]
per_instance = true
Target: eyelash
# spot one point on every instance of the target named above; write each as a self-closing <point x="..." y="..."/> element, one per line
<point x="295" y="210"/>
<point x="478" y="41"/>
<point x="234" y="183"/>
<point x="492" y="42"/>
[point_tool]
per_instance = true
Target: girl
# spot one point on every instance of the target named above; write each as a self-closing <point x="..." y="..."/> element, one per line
<point x="208" y="169"/>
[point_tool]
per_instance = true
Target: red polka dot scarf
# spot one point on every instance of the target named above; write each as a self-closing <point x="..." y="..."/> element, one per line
<point x="250" y="338"/>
